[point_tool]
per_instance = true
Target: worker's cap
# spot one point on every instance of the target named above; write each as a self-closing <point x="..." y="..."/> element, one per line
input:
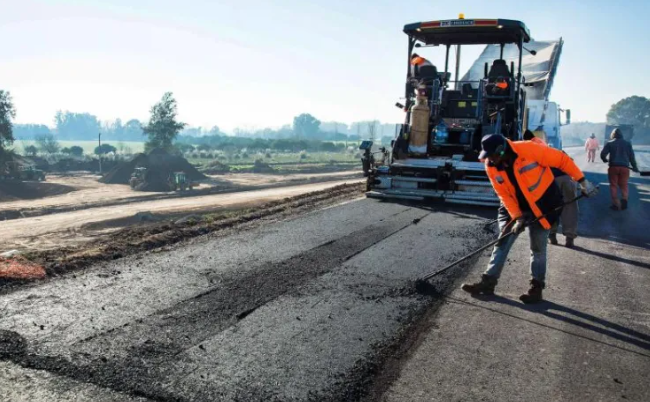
<point x="593" y="135"/>
<point x="492" y="144"/>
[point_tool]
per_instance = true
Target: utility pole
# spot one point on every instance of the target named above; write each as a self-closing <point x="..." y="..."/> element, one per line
<point x="100" y="152"/>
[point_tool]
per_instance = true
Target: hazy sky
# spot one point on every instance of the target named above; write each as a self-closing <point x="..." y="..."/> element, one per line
<point x="258" y="63"/>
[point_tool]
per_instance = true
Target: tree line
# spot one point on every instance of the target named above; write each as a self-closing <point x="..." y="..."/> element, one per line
<point x="163" y="130"/>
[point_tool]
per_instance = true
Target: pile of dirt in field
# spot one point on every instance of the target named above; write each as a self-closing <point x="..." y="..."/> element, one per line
<point x="17" y="190"/>
<point x="160" y="165"/>
<point x="216" y="167"/>
<point x="262" y="167"/>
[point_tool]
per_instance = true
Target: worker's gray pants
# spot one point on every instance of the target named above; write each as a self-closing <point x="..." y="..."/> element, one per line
<point x="569" y="217"/>
<point x="538" y="241"/>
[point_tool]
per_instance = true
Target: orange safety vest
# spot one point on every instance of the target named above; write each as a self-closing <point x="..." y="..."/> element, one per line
<point x="533" y="173"/>
<point x="418" y="61"/>
<point x="538" y="140"/>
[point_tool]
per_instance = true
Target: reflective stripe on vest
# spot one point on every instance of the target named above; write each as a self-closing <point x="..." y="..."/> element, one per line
<point x="528" y="167"/>
<point x="539" y="181"/>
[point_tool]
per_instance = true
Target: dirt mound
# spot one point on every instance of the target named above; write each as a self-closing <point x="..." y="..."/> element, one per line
<point x="160" y="165"/>
<point x="262" y="167"/>
<point x="17" y="190"/>
<point x="216" y="167"/>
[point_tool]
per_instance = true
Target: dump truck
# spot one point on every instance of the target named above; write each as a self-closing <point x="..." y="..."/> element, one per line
<point x="626" y="129"/>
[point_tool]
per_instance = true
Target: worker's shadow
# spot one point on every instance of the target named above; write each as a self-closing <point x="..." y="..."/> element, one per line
<point x="574" y="317"/>
<point x="613" y="257"/>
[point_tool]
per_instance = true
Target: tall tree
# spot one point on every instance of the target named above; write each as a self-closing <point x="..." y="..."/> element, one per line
<point x="132" y="130"/>
<point x="163" y="127"/>
<point x="634" y="110"/>
<point x="305" y="126"/>
<point x="7" y="114"/>
<point x="76" y="126"/>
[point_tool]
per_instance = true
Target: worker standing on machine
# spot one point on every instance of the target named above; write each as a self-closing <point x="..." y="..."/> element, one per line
<point x="521" y="176"/>
<point x="417" y="62"/>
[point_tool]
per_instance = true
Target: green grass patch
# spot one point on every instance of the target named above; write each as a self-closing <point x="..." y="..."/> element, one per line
<point x="88" y="146"/>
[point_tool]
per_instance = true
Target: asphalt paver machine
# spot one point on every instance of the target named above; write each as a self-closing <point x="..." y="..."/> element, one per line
<point x="435" y="154"/>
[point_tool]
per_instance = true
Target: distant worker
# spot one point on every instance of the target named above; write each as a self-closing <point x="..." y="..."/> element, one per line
<point x="419" y="63"/>
<point x="591" y="146"/>
<point x="621" y="157"/>
<point x="569" y="215"/>
<point x="520" y="175"/>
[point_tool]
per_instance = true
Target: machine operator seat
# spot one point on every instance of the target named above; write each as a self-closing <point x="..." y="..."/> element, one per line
<point x="426" y="73"/>
<point x="498" y="79"/>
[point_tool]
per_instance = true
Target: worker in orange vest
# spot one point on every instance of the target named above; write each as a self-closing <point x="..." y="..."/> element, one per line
<point x="520" y="173"/>
<point x="417" y="62"/>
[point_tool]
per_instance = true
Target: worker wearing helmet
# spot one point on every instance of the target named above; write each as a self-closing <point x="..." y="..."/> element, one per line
<point x="520" y="173"/>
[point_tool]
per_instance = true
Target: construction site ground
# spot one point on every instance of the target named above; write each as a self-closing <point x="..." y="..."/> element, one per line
<point x="320" y="305"/>
<point x="94" y="208"/>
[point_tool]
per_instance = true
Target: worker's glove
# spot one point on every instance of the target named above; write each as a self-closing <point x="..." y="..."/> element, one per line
<point x="588" y="189"/>
<point x="519" y="226"/>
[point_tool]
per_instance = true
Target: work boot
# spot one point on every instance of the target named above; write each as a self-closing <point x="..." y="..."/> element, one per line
<point x="553" y="238"/>
<point x="569" y="242"/>
<point x="485" y="286"/>
<point x="614" y="207"/>
<point x="534" y="294"/>
<point x="623" y="204"/>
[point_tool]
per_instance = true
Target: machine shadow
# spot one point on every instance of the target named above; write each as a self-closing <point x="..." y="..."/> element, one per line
<point x="462" y="211"/>
<point x="570" y="316"/>
<point x="614" y="258"/>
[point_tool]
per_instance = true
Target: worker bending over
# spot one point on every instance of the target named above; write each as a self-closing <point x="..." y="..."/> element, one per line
<point x="520" y="173"/>
<point x="419" y="63"/>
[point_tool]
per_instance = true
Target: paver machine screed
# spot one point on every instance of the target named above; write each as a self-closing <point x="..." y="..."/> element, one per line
<point x="435" y="154"/>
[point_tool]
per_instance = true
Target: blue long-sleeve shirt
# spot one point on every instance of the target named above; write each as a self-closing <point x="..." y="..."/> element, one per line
<point x="620" y="153"/>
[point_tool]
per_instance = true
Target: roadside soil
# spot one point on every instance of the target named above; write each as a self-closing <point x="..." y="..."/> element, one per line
<point x="17" y="192"/>
<point x="147" y="236"/>
<point x="83" y="191"/>
<point x="70" y="229"/>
